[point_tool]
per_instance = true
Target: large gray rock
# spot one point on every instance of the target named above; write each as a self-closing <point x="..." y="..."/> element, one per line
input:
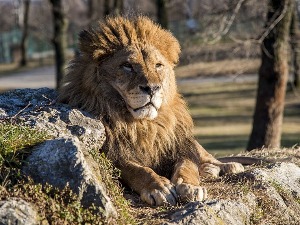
<point x="62" y="162"/>
<point x="18" y="211"/>
<point x="39" y="109"/>
<point x="278" y="184"/>
<point x="65" y="159"/>
<point x="213" y="212"/>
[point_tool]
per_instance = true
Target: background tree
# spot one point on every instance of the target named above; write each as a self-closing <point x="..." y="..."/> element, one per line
<point x="59" y="39"/>
<point x="116" y="8"/>
<point x="92" y="10"/>
<point x="23" y="46"/>
<point x="162" y="13"/>
<point x="295" y="46"/>
<point x="273" y="75"/>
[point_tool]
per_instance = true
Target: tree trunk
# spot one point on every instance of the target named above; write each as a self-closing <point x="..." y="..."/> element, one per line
<point x="93" y="11"/>
<point x="116" y="8"/>
<point x="273" y="75"/>
<point x="60" y="39"/>
<point x="295" y="46"/>
<point x="162" y="13"/>
<point x="106" y="7"/>
<point x="23" y="46"/>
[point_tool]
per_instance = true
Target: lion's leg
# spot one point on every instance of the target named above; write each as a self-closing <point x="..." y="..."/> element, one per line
<point x="211" y="167"/>
<point x="153" y="189"/>
<point x="187" y="182"/>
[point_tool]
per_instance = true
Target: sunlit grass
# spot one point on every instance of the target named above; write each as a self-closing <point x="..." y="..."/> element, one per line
<point x="220" y="67"/>
<point x="222" y="114"/>
<point x="14" y="139"/>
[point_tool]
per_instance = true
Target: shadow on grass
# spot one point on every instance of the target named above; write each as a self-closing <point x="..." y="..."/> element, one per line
<point x="222" y="145"/>
<point x="231" y="118"/>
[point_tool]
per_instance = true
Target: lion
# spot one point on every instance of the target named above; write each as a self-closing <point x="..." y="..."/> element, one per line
<point x="124" y="76"/>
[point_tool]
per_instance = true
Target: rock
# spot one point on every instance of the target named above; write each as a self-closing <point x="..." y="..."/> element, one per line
<point x="212" y="212"/>
<point x="38" y="108"/>
<point x="62" y="161"/>
<point x="272" y="198"/>
<point x="18" y="211"/>
<point x="65" y="159"/>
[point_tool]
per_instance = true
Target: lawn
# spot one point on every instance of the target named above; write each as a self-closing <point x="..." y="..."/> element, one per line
<point x="222" y="113"/>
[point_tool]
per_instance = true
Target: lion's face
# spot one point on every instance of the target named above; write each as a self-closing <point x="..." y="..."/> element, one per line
<point x="143" y="78"/>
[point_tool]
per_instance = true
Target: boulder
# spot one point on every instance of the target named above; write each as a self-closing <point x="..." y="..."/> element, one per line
<point x="65" y="159"/>
<point x="272" y="198"/>
<point x="38" y="108"/>
<point x="62" y="162"/>
<point x="212" y="212"/>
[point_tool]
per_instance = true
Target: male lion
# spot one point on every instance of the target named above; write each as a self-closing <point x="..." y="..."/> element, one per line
<point x="124" y="75"/>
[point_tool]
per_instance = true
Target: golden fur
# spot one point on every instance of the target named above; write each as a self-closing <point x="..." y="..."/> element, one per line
<point x="120" y="62"/>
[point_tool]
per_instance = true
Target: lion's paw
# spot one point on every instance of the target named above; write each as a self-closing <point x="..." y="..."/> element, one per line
<point x="209" y="170"/>
<point x="160" y="193"/>
<point x="189" y="193"/>
<point x="232" y="167"/>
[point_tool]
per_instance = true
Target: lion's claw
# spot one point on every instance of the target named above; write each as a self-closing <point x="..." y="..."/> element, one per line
<point x="188" y="192"/>
<point x="163" y="194"/>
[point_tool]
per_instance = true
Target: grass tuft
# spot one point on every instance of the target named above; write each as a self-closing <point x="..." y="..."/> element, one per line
<point x="110" y="177"/>
<point x="15" y="142"/>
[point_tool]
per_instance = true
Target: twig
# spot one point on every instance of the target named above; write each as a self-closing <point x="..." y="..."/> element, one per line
<point x="226" y="24"/>
<point x="19" y="112"/>
<point x="275" y="20"/>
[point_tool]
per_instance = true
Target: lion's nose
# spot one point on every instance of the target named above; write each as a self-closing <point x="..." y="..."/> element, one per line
<point x="149" y="89"/>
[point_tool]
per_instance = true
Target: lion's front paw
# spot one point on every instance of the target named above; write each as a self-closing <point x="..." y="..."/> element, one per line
<point x="159" y="193"/>
<point x="209" y="170"/>
<point x="189" y="193"/>
<point x="231" y="167"/>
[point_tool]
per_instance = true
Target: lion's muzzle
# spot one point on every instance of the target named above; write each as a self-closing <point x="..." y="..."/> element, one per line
<point x="150" y="89"/>
<point x="143" y="101"/>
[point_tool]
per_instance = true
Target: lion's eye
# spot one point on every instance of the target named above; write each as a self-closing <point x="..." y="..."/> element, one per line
<point x="159" y="66"/>
<point x="127" y="67"/>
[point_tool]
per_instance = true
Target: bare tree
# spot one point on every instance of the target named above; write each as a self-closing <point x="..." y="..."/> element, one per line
<point x="295" y="46"/>
<point x="59" y="39"/>
<point x="93" y="10"/>
<point x="116" y="9"/>
<point x="23" y="46"/>
<point x="162" y="13"/>
<point x="273" y="75"/>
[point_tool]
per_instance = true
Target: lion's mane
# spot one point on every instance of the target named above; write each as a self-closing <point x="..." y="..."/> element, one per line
<point x="155" y="143"/>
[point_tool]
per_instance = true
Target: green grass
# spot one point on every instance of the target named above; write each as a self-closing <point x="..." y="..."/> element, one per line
<point x="222" y="114"/>
<point x="110" y="177"/>
<point x="15" y="141"/>
<point x="15" y="138"/>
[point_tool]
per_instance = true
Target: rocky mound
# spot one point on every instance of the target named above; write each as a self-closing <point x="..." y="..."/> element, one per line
<point x="265" y="194"/>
